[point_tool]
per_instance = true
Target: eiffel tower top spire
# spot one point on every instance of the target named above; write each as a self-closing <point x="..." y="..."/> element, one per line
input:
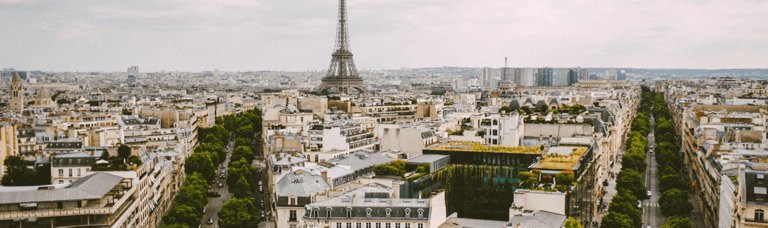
<point x="342" y="34"/>
<point x="342" y="74"/>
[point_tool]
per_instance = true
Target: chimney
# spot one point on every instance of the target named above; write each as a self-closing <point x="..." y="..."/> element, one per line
<point x="324" y="173"/>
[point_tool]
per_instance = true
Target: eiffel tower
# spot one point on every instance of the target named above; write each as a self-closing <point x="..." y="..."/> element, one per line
<point x="342" y="75"/>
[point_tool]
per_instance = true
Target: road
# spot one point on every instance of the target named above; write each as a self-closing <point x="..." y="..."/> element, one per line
<point x="215" y="203"/>
<point x="651" y="212"/>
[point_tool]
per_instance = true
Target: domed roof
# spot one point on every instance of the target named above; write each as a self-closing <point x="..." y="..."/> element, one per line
<point x="44" y="94"/>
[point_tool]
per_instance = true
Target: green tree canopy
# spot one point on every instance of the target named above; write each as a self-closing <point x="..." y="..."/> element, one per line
<point x="238" y="213"/>
<point x="632" y="181"/>
<point x="616" y="220"/>
<point x="201" y="162"/>
<point x="124" y="151"/>
<point x="678" y="222"/>
<point x="674" y="202"/>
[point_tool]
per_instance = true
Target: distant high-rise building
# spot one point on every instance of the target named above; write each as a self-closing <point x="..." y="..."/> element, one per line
<point x="486" y="77"/>
<point x="621" y="75"/>
<point x="134" y="70"/>
<point x="560" y="76"/>
<point x="17" y="93"/>
<point x="131" y="81"/>
<point x="342" y="75"/>
<point x="524" y="76"/>
<point x="544" y="76"/>
<point x="610" y="74"/>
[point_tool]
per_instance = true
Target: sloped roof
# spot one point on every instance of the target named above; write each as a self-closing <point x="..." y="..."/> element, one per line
<point x="300" y="184"/>
<point x="540" y="219"/>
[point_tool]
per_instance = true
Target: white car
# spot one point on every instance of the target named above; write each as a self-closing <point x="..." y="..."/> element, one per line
<point x="649" y="193"/>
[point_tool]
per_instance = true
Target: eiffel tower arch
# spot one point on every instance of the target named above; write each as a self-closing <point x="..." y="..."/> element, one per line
<point x="342" y="76"/>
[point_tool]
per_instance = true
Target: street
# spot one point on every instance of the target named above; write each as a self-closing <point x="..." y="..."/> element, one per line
<point x="215" y="203"/>
<point x="651" y="212"/>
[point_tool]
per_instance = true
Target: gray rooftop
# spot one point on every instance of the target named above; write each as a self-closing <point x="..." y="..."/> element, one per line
<point x="94" y="186"/>
<point x="300" y="184"/>
<point x="539" y="219"/>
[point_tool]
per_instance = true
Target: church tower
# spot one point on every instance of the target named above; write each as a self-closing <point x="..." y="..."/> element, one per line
<point x="17" y="94"/>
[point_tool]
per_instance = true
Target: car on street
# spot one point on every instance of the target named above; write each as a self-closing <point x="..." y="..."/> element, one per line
<point x="210" y="221"/>
<point x="649" y="193"/>
<point x="203" y="210"/>
<point x="214" y="194"/>
<point x="262" y="214"/>
<point x="220" y="185"/>
<point x="639" y="204"/>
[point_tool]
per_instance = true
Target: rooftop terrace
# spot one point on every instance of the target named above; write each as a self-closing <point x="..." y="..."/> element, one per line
<point x="478" y="147"/>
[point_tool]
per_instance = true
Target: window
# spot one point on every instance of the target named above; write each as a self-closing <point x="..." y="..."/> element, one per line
<point x="70" y="172"/>
<point x="407" y="212"/>
<point x="388" y="225"/>
<point x="421" y="213"/>
<point x="368" y="212"/>
<point x="292" y="216"/>
<point x="293" y="225"/>
<point x="61" y="181"/>
<point x="359" y="225"/>
<point x="397" y="225"/>
<point x="378" y="225"/>
<point x="349" y="225"/>
<point x="367" y="225"/>
<point x="61" y="172"/>
<point x="328" y="212"/>
<point x="338" y="225"/>
<point x="292" y="201"/>
<point x="407" y="225"/>
<point x="79" y="172"/>
<point x="388" y="211"/>
<point x="349" y="212"/>
<point x="421" y="225"/>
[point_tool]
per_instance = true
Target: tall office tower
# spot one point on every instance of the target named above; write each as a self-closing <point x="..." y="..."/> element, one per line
<point x="621" y="75"/>
<point x="17" y="94"/>
<point x="507" y="74"/>
<point x="342" y="75"/>
<point x="485" y="78"/>
<point x="134" y="70"/>
<point x="560" y="76"/>
<point x="544" y="76"/>
<point x="524" y="76"/>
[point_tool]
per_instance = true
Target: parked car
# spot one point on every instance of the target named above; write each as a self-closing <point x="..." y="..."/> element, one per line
<point x="221" y="185"/>
<point x="649" y="193"/>
<point x="639" y="204"/>
<point x="214" y="194"/>
<point x="210" y="221"/>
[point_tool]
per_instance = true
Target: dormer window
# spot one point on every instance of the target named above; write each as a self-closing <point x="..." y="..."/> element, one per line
<point x="388" y="211"/>
<point x="368" y="212"/>
<point x="349" y="212"/>
<point x="420" y="212"/>
<point x="407" y="213"/>
<point x="328" y="212"/>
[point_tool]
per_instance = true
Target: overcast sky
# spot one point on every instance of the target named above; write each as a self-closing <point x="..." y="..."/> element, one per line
<point x="298" y="35"/>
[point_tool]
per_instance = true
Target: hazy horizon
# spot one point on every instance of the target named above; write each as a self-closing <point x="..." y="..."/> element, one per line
<point x="239" y="35"/>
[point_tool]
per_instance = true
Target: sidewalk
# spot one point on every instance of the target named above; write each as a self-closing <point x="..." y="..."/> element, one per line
<point x="610" y="190"/>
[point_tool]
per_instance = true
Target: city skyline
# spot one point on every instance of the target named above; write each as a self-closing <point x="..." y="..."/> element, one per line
<point x="297" y="36"/>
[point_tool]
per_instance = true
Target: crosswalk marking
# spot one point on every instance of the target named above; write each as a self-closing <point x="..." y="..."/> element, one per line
<point x="648" y="204"/>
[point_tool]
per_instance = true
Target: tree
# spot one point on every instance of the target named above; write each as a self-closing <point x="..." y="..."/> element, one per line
<point x="201" y="162"/>
<point x="176" y="225"/>
<point x="183" y="214"/>
<point x="671" y="181"/>
<point x="616" y="220"/>
<point x="238" y="213"/>
<point x="564" y="178"/>
<point x="573" y="223"/>
<point x="124" y="152"/>
<point x="243" y="152"/>
<point x="242" y="188"/>
<point x="674" y="202"/>
<point x="629" y="209"/>
<point x="678" y="222"/>
<point x="632" y="181"/>
<point x="18" y="172"/>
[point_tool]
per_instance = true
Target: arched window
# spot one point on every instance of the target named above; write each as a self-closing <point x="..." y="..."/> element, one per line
<point x="388" y="211"/>
<point x="328" y="212"/>
<point x="368" y="212"/>
<point x="407" y="212"/>
<point x="421" y="212"/>
<point x="759" y="215"/>
<point x="349" y="212"/>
